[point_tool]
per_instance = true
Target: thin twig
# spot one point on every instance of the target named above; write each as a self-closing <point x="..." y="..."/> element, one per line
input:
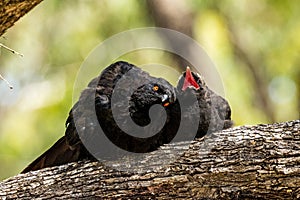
<point x="11" y="50"/>
<point x="9" y="85"/>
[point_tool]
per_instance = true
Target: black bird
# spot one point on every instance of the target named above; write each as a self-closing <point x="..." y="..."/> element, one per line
<point x="200" y="104"/>
<point x="141" y="123"/>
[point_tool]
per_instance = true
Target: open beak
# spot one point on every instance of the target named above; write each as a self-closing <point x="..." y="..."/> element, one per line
<point x="189" y="80"/>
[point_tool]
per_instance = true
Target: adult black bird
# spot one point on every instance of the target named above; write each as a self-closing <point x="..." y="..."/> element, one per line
<point x="209" y="110"/>
<point x="114" y="113"/>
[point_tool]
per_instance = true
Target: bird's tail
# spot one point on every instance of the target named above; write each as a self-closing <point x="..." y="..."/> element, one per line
<point x="60" y="153"/>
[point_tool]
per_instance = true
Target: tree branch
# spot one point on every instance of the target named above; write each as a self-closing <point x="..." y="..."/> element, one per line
<point x="246" y="162"/>
<point x="12" y="10"/>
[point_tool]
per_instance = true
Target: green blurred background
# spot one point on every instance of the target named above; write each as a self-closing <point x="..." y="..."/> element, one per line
<point x="255" y="45"/>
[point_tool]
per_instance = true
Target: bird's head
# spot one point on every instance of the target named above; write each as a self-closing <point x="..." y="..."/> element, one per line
<point x="157" y="92"/>
<point x="191" y="80"/>
<point x="153" y="93"/>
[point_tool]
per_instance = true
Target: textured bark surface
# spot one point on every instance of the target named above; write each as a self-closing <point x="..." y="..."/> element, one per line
<point x="12" y="10"/>
<point x="246" y="162"/>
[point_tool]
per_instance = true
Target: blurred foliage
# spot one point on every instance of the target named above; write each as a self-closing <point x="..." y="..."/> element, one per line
<point x="56" y="36"/>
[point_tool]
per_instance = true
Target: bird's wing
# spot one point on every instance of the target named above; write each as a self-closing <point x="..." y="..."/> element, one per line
<point x="58" y="154"/>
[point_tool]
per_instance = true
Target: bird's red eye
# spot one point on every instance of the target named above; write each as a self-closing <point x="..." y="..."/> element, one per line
<point x="166" y="104"/>
<point x="155" y="88"/>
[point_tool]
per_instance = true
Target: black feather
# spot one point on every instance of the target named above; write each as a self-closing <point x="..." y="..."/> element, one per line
<point x="93" y="113"/>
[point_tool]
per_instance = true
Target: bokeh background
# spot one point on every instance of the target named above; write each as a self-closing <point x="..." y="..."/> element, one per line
<point x="255" y="45"/>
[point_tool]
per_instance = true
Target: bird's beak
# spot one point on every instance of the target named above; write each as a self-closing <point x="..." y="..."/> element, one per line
<point x="189" y="80"/>
<point x="165" y="100"/>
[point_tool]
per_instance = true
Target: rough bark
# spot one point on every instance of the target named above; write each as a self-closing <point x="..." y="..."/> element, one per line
<point x="246" y="162"/>
<point x="12" y="10"/>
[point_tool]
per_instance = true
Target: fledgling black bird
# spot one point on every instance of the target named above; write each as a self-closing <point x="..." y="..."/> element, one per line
<point x="208" y="108"/>
<point x="112" y="111"/>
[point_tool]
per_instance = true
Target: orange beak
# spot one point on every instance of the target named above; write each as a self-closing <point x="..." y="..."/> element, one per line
<point x="166" y="104"/>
